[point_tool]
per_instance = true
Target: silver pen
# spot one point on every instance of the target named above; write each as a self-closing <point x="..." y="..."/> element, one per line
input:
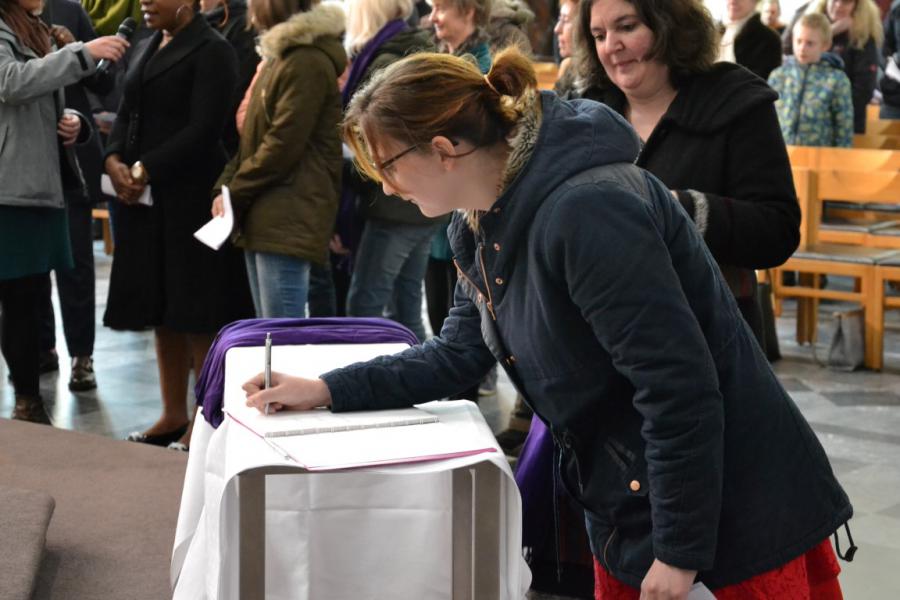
<point x="268" y="370"/>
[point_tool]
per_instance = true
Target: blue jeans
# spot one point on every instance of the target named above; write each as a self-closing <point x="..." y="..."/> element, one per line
<point x="387" y="277"/>
<point x="279" y="284"/>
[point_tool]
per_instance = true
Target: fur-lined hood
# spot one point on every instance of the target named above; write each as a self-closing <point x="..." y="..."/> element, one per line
<point x="303" y="29"/>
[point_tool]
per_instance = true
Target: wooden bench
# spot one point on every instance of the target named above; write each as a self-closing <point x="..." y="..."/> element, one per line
<point x="814" y="258"/>
<point x="872" y="226"/>
<point x="885" y="142"/>
<point x="102" y="214"/>
<point x="547" y="73"/>
<point x="883" y="127"/>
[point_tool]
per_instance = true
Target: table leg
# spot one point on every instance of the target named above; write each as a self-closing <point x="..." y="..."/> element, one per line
<point x="476" y="532"/>
<point x="252" y="534"/>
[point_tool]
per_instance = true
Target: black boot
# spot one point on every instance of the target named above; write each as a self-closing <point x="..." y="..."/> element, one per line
<point x="31" y="408"/>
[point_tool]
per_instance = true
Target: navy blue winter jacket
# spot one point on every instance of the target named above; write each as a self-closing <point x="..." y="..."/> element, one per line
<point x="591" y="286"/>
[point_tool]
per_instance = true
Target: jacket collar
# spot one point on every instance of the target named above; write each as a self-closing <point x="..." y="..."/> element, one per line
<point x="302" y="29"/>
<point x="184" y="43"/>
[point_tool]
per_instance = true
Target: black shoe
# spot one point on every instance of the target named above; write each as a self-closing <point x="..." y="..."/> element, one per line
<point x="82" y="378"/>
<point x="158" y="439"/>
<point x="49" y="362"/>
<point x="31" y="408"/>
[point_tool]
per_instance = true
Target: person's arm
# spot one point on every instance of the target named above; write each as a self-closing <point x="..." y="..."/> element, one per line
<point x="842" y="111"/>
<point x="208" y="102"/>
<point x="300" y="92"/>
<point x="23" y="82"/>
<point x="863" y="73"/>
<point x="440" y="367"/>
<point x="757" y="224"/>
<point x="614" y="257"/>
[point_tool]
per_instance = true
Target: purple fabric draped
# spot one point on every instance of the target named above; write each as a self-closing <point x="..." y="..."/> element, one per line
<point x="210" y="388"/>
<point x="365" y="57"/>
<point x="534" y="476"/>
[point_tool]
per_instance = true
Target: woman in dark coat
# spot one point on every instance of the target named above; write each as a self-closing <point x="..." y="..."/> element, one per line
<point x="710" y="133"/>
<point x="392" y="255"/>
<point x="584" y="278"/>
<point x="167" y="136"/>
<point x="229" y="17"/>
<point x="747" y="41"/>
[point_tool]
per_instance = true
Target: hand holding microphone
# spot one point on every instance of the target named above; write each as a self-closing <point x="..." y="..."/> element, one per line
<point x="111" y="48"/>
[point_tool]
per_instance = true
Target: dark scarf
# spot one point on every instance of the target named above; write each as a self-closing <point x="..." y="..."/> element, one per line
<point x="365" y="57"/>
<point x="30" y="30"/>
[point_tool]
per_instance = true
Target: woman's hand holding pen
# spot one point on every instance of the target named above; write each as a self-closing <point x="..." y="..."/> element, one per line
<point x="286" y="393"/>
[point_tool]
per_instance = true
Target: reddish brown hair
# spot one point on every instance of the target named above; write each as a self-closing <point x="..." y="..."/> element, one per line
<point x="427" y="95"/>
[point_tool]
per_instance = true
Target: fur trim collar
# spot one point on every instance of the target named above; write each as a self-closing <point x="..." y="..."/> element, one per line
<point x="521" y="142"/>
<point x="302" y="29"/>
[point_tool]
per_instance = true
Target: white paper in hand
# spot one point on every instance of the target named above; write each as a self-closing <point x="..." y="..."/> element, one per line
<point x="700" y="592"/>
<point x="107" y="188"/>
<point x="214" y="233"/>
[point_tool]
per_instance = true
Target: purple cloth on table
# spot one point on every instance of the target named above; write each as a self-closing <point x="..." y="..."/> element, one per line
<point x="210" y="388"/>
<point x="534" y="476"/>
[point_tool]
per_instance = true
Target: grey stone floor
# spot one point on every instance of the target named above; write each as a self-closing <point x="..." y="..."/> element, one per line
<point x="856" y="415"/>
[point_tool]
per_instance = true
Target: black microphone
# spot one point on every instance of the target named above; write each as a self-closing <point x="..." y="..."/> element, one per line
<point x="125" y="31"/>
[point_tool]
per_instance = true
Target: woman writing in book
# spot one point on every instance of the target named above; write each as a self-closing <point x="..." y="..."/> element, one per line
<point x="583" y="277"/>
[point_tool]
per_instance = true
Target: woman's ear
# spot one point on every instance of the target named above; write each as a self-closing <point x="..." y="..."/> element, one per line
<point x="445" y="149"/>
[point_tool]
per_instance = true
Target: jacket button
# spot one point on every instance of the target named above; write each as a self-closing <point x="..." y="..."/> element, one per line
<point x="635" y="485"/>
<point x="480" y="298"/>
<point x="497" y="247"/>
<point x="499" y="281"/>
<point x="496" y="211"/>
<point x="511" y="360"/>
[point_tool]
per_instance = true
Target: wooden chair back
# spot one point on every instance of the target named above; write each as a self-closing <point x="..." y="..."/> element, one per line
<point x="883" y="127"/>
<point x="850" y="159"/>
<point x="547" y="73"/>
<point x="886" y="142"/>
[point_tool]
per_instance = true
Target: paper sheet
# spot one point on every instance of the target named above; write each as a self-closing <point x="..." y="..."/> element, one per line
<point x="218" y="229"/>
<point x="107" y="188"/>
<point x="700" y="592"/>
<point x="316" y="422"/>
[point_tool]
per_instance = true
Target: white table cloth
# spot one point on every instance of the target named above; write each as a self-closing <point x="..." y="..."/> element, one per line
<point x="368" y="533"/>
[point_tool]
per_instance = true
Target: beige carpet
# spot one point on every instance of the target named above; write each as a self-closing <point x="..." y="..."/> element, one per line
<point x="24" y="518"/>
<point x="116" y="508"/>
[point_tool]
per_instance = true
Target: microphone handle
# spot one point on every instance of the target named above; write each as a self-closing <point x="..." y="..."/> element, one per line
<point x="104" y="64"/>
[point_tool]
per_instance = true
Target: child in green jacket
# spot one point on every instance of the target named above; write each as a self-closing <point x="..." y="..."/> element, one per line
<point x="815" y="107"/>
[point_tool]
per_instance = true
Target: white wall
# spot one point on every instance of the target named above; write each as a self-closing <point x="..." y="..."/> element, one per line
<point x="717" y="8"/>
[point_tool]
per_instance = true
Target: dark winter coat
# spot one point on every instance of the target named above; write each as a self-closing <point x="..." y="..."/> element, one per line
<point x="232" y="24"/>
<point x="592" y="287"/>
<point x="285" y="179"/>
<point x="757" y="47"/>
<point x="719" y="145"/>
<point x="374" y="204"/>
<point x="171" y="119"/>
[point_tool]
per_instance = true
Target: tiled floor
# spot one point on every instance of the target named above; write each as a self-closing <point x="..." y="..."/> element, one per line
<point x="856" y="415"/>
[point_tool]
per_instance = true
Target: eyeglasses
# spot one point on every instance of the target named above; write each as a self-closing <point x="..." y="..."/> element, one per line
<point x="382" y="167"/>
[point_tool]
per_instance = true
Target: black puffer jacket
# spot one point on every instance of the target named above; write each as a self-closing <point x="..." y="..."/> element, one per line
<point x="593" y="289"/>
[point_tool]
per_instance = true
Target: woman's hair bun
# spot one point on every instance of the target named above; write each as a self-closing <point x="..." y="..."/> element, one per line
<point x="512" y="73"/>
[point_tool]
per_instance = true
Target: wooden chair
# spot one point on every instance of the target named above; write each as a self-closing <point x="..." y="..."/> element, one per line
<point x="814" y="258"/>
<point x="883" y="127"/>
<point x="888" y="271"/>
<point x="885" y="142"/>
<point x="873" y="112"/>
<point x="547" y="73"/>
<point x="854" y="224"/>
<point x="102" y="214"/>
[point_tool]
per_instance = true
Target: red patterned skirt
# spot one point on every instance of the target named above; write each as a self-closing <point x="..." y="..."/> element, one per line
<point x="813" y="576"/>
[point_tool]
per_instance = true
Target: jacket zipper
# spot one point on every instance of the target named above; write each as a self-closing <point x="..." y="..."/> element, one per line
<point x="487" y="285"/>
<point x="490" y="305"/>
<point x="606" y="547"/>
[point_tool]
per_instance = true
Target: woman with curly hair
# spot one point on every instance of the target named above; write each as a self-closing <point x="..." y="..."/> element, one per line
<point x="709" y="129"/>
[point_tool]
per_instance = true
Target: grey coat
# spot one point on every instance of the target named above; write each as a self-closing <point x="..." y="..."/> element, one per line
<point x="31" y="103"/>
